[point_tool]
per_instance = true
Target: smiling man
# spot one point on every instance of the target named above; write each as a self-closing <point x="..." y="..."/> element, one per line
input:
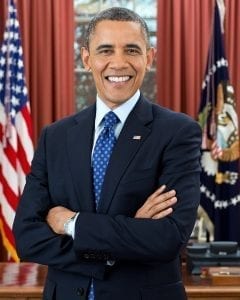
<point x="113" y="191"/>
<point x="118" y="55"/>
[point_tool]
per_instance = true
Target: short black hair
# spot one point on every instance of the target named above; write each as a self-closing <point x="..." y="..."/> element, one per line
<point x="116" y="14"/>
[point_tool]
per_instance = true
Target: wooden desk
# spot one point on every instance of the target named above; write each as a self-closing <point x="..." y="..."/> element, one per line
<point x="198" y="288"/>
<point x="25" y="282"/>
<point x="22" y="281"/>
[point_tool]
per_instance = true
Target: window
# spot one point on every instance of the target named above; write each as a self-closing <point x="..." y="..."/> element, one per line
<point x="84" y="11"/>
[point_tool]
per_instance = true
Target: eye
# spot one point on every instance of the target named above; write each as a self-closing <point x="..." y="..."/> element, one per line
<point x="105" y="51"/>
<point x="133" y="51"/>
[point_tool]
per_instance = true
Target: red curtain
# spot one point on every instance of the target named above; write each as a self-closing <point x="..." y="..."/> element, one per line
<point x="183" y="30"/>
<point x="47" y="28"/>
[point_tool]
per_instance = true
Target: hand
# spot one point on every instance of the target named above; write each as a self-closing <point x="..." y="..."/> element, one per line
<point x="158" y="205"/>
<point x="57" y="216"/>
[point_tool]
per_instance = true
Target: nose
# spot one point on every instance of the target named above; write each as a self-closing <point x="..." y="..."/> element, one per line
<point x="118" y="61"/>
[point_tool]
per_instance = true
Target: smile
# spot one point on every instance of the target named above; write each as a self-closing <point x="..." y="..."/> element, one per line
<point x="118" y="78"/>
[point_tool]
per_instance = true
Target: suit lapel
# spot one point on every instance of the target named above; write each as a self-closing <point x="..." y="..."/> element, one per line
<point x="79" y="143"/>
<point x="131" y="138"/>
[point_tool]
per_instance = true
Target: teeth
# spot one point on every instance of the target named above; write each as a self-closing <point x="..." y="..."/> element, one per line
<point x="118" y="79"/>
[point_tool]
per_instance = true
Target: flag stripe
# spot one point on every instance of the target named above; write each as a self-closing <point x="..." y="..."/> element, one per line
<point x="7" y="210"/>
<point x="21" y="178"/>
<point x="9" y="152"/>
<point x="9" y="174"/>
<point x="22" y="156"/>
<point x="24" y="138"/>
<point x="27" y="121"/>
<point x="8" y="193"/>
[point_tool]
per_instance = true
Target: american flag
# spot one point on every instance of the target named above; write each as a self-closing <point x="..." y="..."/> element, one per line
<point x="220" y="178"/>
<point x="16" y="147"/>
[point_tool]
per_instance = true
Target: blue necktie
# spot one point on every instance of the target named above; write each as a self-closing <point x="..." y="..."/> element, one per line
<point x="101" y="154"/>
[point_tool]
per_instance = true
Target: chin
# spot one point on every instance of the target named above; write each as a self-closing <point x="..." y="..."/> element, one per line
<point x="116" y="100"/>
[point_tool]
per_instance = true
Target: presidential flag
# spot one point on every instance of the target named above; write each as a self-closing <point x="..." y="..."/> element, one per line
<point x="16" y="147"/>
<point x="220" y="183"/>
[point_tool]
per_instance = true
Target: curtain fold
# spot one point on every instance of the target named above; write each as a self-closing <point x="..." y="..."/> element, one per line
<point x="47" y="28"/>
<point x="183" y="29"/>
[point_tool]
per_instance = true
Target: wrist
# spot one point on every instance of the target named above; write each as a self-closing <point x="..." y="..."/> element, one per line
<point x="69" y="225"/>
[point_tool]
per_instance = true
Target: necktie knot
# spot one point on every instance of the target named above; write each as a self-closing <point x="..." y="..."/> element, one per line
<point x="110" y="120"/>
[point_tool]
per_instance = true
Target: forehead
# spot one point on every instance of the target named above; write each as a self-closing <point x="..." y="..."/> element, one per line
<point x="108" y="31"/>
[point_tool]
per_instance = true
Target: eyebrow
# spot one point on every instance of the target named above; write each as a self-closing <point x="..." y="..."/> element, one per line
<point x="104" y="46"/>
<point x="108" y="46"/>
<point x="133" y="46"/>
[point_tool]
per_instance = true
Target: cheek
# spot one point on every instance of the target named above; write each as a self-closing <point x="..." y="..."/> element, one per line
<point x="98" y="65"/>
<point x="141" y="72"/>
<point x="140" y="65"/>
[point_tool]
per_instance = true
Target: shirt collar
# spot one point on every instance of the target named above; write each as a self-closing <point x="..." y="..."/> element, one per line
<point x="122" y="111"/>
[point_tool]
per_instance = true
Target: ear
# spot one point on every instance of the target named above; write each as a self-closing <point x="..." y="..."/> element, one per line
<point x="151" y="52"/>
<point x="85" y="58"/>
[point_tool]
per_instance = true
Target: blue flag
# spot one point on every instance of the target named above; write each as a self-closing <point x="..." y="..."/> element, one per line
<point x="220" y="183"/>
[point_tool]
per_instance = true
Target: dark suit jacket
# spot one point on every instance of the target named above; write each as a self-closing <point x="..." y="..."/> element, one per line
<point x="146" y="251"/>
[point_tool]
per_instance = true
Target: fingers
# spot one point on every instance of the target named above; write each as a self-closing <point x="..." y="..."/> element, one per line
<point x="163" y="213"/>
<point x="163" y="205"/>
<point x="157" y="192"/>
<point x="159" y="198"/>
<point x="158" y="205"/>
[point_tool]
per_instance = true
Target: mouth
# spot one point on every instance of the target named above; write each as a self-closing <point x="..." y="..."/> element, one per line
<point x="118" y="79"/>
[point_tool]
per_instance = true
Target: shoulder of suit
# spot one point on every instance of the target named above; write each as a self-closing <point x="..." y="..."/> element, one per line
<point x="70" y="120"/>
<point x="165" y="114"/>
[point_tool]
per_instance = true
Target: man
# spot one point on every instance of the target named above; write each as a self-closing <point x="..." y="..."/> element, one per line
<point x="117" y="238"/>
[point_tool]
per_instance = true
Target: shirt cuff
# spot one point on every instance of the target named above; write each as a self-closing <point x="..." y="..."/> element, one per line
<point x="72" y="225"/>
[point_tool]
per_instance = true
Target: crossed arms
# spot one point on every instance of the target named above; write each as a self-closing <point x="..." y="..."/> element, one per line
<point x="157" y="206"/>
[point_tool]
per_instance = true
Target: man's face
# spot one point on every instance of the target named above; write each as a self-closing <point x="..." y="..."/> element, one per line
<point x="118" y="58"/>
